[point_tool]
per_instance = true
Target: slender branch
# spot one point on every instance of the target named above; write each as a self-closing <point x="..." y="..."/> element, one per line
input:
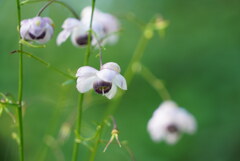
<point x="130" y="152"/>
<point x="100" y="49"/>
<point x="44" y="7"/>
<point x="89" y="35"/>
<point x="59" y="2"/>
<point x="114" y="123"/>
<point x="78" y="128"/>
<point x="81" y="96"/>
<point x="48" y="65"/>
<point x="156" y="83"/>
<point x="20" y="90"/>
<point x="133" y="19"/>
<point x="8" y="103"/>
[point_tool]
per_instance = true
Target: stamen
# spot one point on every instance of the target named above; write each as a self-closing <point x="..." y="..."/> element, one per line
<point x="102" y="87"/>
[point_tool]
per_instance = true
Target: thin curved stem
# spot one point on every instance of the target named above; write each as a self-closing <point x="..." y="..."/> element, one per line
<point x="100" y="49"/>
<point x="59" y="2"/>
<point x="156" y="83"/>
<point x="48" y="65"/>
<point x="20" y="90"/>
<point x="10" y="104"/>
<point x="44" y="7"/>
<point x="89" y="35"/>
<point x="81" y="96"/>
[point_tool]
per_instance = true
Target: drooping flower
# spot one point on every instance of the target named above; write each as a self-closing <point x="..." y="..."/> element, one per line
<point x="38" y="29"/>
<point x="104" y="25"/>
<point x="105" y="81"/>
<point x="169" y="121"/>
<point x="76" y="29"/>
<point x="103" y="28"/>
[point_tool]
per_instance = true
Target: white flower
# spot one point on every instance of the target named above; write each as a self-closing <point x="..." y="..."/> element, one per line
<point x="169" y="121"/>
<point x="38" y="29"/>
<point x="104" y="82"/>
<point x="76" y="29"/>
<point x="103" y="26"/>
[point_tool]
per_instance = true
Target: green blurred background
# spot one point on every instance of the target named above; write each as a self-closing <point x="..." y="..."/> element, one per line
<point x="199" y="61"/>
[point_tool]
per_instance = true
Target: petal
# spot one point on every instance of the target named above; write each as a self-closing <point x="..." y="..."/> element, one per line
<point x="38" y="26"/>
<point x="49" y="33"/>
<point x="120" y="81"/>
<point x="70" y="23"/>
<point x="86" y="71"/>
<point x="106" y="75"/>
<point x="112" y="66"/>
<point x="156" y="129"/>
<point x="25" y="25"/>
<point x="104" y="24"/>
<point x="186" y="121"/>
<point x="84" y="84"/>
<point x="79" y="31"/>
<point x="172" y="138"/>
<point x="48" y="20"/>
<point x="62" y="37"/>
<point x="112" y="92"/>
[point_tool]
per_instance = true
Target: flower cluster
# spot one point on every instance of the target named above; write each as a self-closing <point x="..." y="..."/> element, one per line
<point x="169" y="121"/>
<point x="108" y="78"/>
<point x="103" y="26"/>
<point x="97" y="29"/>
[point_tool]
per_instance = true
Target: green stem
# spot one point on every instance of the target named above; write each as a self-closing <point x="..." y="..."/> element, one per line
<point x="44" y="7"/>
<point x="78" y="128"/>
<point x="81" y="96"/>
<point x="48" y="65"/>
<point x="59" y="2"/>
<point x="129" y="76"/>
<point x="20" y="90"/>
<point x="9" y="104"/>
<point x="89" y="35"/>
<point x="156" y="83"/>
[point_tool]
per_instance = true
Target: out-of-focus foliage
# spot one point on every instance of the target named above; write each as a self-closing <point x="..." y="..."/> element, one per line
<point x="199" y="60"/>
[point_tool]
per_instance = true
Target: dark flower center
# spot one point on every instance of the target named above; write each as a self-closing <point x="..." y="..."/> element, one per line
<point x="83" y="40"/>
<point x="41" y="36"/>
<point x="172" y="128"/>
<point x="102" y="87"/>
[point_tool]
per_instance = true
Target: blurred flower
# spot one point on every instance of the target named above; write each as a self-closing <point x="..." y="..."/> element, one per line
<point x="169" y="121"/>
<point x="104" y="82"/>
<point x="77" y="30"/>
<point x="38" y="29"/>
<point x="104" y="25"/>
<point x="104" y="28"/>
